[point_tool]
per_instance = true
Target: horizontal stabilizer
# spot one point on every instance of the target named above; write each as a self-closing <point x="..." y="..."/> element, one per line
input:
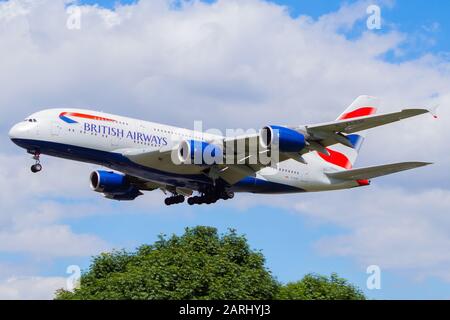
<point x="377" y="171"/>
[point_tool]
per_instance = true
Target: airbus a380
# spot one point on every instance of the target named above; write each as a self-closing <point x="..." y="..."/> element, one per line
<point x="143" y="156"/>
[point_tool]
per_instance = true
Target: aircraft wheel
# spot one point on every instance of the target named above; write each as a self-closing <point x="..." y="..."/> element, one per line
<point x="191" y="201"/>
<point x="200" y="200"/>
<point x="36" y="168"/>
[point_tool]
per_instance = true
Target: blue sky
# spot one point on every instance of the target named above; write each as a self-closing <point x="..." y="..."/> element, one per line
<point x="287" y="239"/>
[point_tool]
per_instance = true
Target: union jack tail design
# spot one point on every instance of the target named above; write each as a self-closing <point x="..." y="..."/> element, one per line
<point x="341" y="155"/>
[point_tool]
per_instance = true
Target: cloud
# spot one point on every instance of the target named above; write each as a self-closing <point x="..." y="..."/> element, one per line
<point x="401" y="230"/>
<point x="390" y="227"/>
<point x="234" y="64"/>
<point x="32" y="207"/>
<point x="53" y="240"/>
<point x="208" y="59"/>
<point x="30" y="288"/>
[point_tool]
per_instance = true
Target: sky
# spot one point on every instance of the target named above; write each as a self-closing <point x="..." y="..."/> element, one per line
<point x="232" y="64"/>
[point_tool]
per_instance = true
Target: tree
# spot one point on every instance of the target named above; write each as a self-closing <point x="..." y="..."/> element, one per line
<point x="317" y="287"/>
<point x="200" y="264"/>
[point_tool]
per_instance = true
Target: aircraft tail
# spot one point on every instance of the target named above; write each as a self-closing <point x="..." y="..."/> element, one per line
<point x="344" y="156"/>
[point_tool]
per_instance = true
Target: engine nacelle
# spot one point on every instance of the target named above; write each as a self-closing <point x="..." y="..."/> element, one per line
<point x="131" y="194"/>
<point x="287" y="140"/>
<point x="105" y="181"/>
<point x="199" y="152"/>
<point x="113" y="185"/>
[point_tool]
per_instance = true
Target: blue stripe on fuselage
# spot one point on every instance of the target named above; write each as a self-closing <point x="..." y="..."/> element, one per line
<point x="255" y="185"/>
<point x="66" y="119"/>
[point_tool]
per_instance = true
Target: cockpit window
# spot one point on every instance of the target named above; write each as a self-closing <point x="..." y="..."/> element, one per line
<point x="30" y="120"/>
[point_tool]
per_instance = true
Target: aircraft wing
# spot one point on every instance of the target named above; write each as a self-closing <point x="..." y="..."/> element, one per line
<point x="376" y="171"/>
<point x="147" y="157"/>
<point x="361" y="123"/>
<point x="244" y="149"/>
<point x="320" y="136"/>
<point x="327" y="134"/>
<point x="152" y="158"/>
<point x="247" y="155"/>
<point x="231" y="173"/>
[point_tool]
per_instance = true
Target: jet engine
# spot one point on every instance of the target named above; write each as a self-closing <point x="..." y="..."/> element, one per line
<point x="287" y="140"/>
<point x="199" y="152"/>
<point x="113" y="185"/>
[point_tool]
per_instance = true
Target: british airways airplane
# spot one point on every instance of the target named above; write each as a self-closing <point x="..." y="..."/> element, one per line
<point x="144" y="156"/>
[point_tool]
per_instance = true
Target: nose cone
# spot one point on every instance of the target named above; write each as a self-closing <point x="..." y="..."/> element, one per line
<point x="14" y="132"/>
<point x="23" y="130"/>
<point x="22" y="133"/>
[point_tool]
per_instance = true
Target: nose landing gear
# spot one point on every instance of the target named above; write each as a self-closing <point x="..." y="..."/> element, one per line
<point x="37" y="167"/>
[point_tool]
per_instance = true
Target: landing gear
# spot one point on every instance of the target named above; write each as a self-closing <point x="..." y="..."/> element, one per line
<point x="204" y="199"/>
<point x="174" y="200"/>
<point x="228" y="195"/>
<point x="209" y="198"/>
<point x="207" y="195"/>
<point x="37" y="167"/>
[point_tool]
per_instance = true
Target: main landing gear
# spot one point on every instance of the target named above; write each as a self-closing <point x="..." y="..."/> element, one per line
<point x="209" y="198"/>
<point x="176" y="199"/>
<point x="37" y="167"/>
<point x="205" y="198"/>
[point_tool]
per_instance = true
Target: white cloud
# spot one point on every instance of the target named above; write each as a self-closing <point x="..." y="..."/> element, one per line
<point x="390" y="227"/>
<point x="400" y="229"/>
<point x="233" y="64"/>
<point x="30" y="288"/>
<point x="32" y="208"/>
<point x="52" y="240"/>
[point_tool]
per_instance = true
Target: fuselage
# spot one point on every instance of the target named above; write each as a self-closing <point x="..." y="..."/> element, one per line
<point x="100" y="138"/>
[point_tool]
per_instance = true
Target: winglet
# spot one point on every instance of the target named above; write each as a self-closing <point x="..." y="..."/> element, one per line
<point x="433" y="110"/>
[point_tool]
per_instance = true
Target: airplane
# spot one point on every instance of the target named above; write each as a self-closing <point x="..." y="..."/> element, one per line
<point x="145" y="156"/>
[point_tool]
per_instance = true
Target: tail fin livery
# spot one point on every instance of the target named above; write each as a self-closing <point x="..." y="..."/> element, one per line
<point x="344" y="156"/>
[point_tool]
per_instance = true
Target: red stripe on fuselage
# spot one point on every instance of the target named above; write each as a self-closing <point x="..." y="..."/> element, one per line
<point x="336" y="158"/>
<point x="361" y="112"/>
<point x="85" y="116"/>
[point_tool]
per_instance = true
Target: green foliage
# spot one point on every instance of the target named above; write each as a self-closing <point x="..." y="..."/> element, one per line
<point x="200" y="264"/>
<point x="317" y="287"/>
